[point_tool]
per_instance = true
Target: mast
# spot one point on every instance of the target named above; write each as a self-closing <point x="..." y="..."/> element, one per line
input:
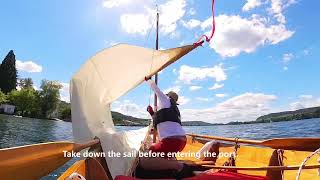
<point x="156" y="75"/>
<point x="157" y="48"/>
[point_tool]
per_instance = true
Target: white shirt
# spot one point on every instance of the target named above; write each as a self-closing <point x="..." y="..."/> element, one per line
<point x="167" y="128"/>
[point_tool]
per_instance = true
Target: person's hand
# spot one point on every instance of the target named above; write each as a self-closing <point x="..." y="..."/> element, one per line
<point x="146" y="78"/>
<point x="150" y="110"/>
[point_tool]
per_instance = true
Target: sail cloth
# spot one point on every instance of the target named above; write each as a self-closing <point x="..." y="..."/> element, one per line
<point x="101" y="80"/>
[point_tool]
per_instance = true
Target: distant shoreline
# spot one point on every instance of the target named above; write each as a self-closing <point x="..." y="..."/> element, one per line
<point x="124" y="120"/>
<point x="239" y="123"/>
<point x="23" y="117"/>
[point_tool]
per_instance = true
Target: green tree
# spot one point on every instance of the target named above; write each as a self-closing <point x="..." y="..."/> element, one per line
<point x="3" y="97"/>
<point x="317" y="113"/>
<point x="25" y="83"/>
<point x="49" y="97"/>
<point x="64" y="110"/>
<point x="25" y="101"/>
<point x="65" y="114"/>
<point x="8" y="73"/>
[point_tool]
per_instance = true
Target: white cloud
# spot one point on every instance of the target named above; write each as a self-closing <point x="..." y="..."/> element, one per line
<point x="194" y="88"/>
<point x="175" y="89"/>
<point x="285" y="68"/>
<point x="192" y="23"/>
<point x="305" y="101"/>
<point x="192" y="11"/>
<point x="287" y="57"/>
<point x="250" y="4"/>
<point x="64" y="92"/>
<point x="277" y="7"/>
<point x="221" y="95"/>
<point x="140" y="23"/>
<point x="182" y="100"/>
<point x="207" y="23"/>
<point x="188" y="74"/>
<point x="216" y="86"/>
<point x="28" y="66"/>
<point x="248" y="100"/>
<point x="65" y="98"/>
<point x="65" y="87"/>
<point x="115" y="3"/>
<point x="204" y="99"/>
<point x="131" y="109"/>
<point x="305" y="96"/>
<point x="136" y="23"/>
<point x="245" y="107"/>
<point x="171" y="12"/>
<point x="175" y="34"/>
<point x="244" y="34"/>
<point x="127" y="107"/>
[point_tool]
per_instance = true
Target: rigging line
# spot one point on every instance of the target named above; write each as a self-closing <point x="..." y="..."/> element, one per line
<point x="152" y="59"/>
<point x="152" y="25"/>
<point x="204" y="37"/>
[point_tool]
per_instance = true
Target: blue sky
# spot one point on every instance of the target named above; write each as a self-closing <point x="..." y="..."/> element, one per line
<point x="263" y="57"/>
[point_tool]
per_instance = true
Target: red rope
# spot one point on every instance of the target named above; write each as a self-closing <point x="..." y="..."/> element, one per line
<point x="205" y="37"/>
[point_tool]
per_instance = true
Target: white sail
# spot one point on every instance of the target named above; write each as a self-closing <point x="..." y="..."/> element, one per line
<point x="101" y="80"/>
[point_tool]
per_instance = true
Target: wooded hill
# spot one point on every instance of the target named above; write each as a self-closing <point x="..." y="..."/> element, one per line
<point x="124" y="120"/>
<point x="307" y="113"/>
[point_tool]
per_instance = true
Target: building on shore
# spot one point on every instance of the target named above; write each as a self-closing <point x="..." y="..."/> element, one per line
<point x="7" y="109"/>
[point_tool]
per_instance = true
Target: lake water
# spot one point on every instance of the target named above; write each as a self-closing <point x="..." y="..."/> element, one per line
<point x="21" y="131"/>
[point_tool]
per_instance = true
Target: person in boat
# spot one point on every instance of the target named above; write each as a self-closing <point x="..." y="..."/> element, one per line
<point x="172" y="138"/>
<point x="167" y="122"/>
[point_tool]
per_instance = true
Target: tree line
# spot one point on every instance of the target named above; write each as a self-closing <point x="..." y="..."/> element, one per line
<point x="43" y="103"/>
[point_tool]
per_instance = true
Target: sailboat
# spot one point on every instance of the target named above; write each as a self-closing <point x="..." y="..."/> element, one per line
<point x="94" y="88"/>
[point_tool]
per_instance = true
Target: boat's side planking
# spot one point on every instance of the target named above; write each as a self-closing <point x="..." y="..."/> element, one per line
<point x="257" y="157"/>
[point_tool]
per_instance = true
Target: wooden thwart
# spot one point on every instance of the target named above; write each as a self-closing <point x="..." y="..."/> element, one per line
<point x="298" y="144"/>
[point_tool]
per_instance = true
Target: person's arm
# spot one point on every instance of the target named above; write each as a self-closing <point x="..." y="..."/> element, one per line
<point x="154" y="127"/>
<point x="164" y="101"/>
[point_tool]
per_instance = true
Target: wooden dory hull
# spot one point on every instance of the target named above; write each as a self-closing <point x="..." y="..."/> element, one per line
<point x="247" y="156"/>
